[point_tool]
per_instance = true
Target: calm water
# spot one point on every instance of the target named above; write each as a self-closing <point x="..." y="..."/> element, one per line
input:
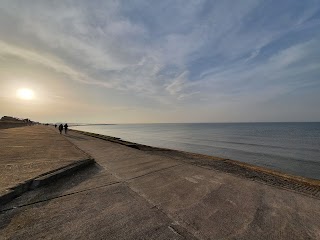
<point x="289" y="147"/>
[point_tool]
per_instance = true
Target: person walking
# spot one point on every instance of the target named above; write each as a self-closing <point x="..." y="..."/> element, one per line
<point x="60" y="128"/>
<point x="65" y="128"/>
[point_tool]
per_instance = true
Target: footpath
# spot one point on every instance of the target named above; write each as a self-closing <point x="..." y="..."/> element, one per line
<point x="131" y="193"/>
<point x="35" y="155"/>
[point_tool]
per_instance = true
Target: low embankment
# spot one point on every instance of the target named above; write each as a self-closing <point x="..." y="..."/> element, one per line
<point x="5" y="124"/>
<point x="299" y="184"/>
<point x="33" y="156"/>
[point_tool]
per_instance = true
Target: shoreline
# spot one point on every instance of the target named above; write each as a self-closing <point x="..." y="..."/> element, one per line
<point x="290" y="149"/>
<point x="304" y="185"/>
<point x="134" y="191"/>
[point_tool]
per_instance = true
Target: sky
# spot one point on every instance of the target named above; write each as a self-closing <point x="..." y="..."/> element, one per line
<point x="149" y="61"/>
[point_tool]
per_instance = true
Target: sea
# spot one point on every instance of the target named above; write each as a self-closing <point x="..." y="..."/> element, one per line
<point x="292" y="148"/>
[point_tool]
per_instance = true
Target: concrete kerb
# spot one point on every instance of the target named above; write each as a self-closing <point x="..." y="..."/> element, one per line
<point x="43" y="179"/>
<point x="117" y="140"/>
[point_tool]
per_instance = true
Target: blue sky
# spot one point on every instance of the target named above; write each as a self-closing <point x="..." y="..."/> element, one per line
<point x="161" y="61"/>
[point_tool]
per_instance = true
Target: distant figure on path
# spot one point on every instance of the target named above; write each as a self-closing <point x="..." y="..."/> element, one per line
<point x="55" y="126"/>
<point x="60" y="128"/>
<point x="65" y="128"/>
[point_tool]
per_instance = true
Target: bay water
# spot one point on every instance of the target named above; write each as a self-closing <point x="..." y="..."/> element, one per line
<point x="288" y="147"/>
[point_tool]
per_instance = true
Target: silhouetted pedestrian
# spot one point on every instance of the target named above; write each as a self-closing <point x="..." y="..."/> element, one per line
<point x="60" y="128"/>
<point x="55" y="126"/>
<point x="65" y="128"/>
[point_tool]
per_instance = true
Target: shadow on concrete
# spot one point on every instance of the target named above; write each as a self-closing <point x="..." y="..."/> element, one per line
<point x="42" y="196"/>
<point x="75" y="137"/>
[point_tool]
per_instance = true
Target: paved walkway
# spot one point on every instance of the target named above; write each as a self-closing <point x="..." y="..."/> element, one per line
<point x="27" y="152"/>
<point x="134" y="194"/>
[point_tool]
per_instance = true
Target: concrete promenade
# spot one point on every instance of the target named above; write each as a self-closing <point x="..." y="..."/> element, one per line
<point x="28" y="152"/>
<point x="154" y="194"/>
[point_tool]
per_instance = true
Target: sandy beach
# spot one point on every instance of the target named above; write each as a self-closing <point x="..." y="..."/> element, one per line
<point x="138" y="192"/>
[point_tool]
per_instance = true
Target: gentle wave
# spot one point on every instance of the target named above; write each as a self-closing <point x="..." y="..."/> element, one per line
<point x="258" y="145"/>
<point x="289" y="147"/>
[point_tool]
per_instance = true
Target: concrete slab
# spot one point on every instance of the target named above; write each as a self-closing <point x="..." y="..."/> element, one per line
<point x="212" y="204"/>
<point x="122" y="165"/>
<point x="132" y="194"/>
<point x="29" y="154"/>
<point x="92" y="177"/>
<point x="113" y="212"/>
<point x="223" y="206"/>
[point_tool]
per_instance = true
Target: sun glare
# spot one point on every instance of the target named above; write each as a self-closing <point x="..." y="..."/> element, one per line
<point x="25" y="93"/>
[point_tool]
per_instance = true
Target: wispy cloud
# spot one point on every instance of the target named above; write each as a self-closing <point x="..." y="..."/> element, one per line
<point x="170" y="50"/>
<point x="41" y="59"/>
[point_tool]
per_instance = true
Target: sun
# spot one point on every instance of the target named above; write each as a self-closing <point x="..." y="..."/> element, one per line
<point x="25" y="93"/>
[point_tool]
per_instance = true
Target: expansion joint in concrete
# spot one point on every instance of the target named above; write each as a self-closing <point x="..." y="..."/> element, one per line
<point x="59" y="196"/>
